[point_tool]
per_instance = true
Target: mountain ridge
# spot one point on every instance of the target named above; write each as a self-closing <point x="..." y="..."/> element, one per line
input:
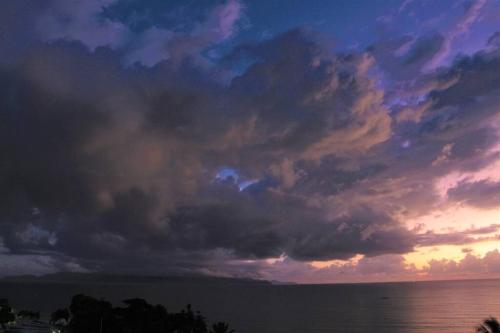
<point x="72" y="277"/>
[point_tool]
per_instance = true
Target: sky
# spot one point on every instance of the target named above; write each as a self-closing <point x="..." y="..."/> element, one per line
<point x="302" y="141"/>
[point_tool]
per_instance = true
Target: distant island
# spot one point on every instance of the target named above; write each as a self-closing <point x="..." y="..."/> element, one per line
<point x="104" y="278"/>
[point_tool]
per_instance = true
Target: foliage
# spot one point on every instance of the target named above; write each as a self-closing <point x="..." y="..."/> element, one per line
<point x="58" y="315"/>
<point x="489" y="325"/>
<point x="6" y="313"/>
<point x="221" y="327"/>
<point x="87" y="314"/>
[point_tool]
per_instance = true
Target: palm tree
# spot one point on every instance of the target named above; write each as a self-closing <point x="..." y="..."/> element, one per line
<point x="221" y="327"/>
<point x="489" y="325"/>
<point x="59" y="315"/>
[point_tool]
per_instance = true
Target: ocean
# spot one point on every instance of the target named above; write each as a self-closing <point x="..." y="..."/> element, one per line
<point x="409" y="307"/>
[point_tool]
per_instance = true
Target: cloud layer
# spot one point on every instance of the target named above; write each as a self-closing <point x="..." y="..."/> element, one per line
<point x="114" y="143"/>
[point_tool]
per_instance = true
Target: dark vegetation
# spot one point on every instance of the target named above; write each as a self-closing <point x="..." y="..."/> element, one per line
<point x="489" y="325"/>
<point x="87" y="314"/>
<point x="6" y="313"/>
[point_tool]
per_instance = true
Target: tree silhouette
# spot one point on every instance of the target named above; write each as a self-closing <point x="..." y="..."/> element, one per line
<point x="221" y="327"/>
<point x="58" y="315"/>
<point x="91" y="315"/>
<point x="489" y="325"/>
<point x="6" y="314"/>
<point x="138" y="316"/>
<point x="187" y="321"/>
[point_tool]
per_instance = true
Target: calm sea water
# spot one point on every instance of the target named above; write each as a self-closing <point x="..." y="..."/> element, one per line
<point x="423" y="307"/>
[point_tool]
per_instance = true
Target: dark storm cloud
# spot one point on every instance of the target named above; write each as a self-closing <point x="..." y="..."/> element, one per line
<point x="270" y="226"/>
<point x="458" y="122"/>
<point x="481" y="194"/>
<point x="456" y="132"/>
<point x="468" y="236"/>
<point x="112" y="138"/>
<point x="458" y="128"/>
<point x="331" y="175"/>
<point x="101" y="161"/>
<point x="226" y="227"/>
<point x="362" y="231"/>
<point x="41" y="140"/>
<point x="305" y="106"/>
